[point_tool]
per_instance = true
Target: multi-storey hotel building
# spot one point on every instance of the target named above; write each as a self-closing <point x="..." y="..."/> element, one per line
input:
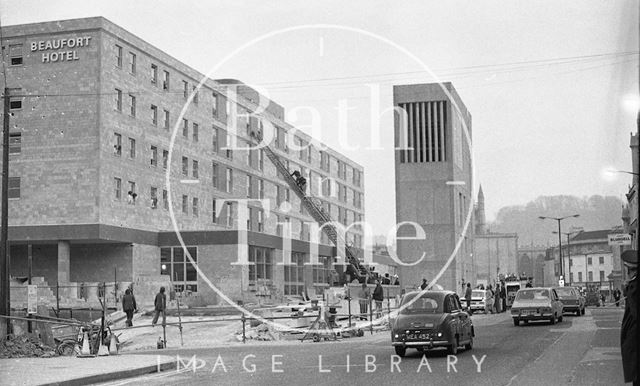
<point x="93" y="112"/>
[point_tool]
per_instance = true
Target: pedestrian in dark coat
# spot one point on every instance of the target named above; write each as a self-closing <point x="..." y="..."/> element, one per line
<point x="616" y="296"/>
<point x="496" y="300"/>
<point x="467" y="297"/>
<point x="378" y="296"/>
<point x="503" y="297"/>
<point x="129" y="306"/>
<point x="160" y="305"/>
<point x="629" y="328"/>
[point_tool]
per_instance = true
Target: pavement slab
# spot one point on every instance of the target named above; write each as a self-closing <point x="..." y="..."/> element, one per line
<point x="80" y="371"/>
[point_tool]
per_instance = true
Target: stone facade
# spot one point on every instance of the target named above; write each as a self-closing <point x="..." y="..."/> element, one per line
<point x="98" y="111"/>
<point x="433" y="183"/>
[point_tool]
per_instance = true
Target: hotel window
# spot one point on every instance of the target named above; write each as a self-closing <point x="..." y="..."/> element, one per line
<point x="250" y="220"/>
<point x="229" y="181"/>
<point x="249" y="155"/>
<point x="165" y="82"/>
<point x="601" y="275"/>
<point x="214" y="140"/>
<point x="262" y="267"/>
<point x="132" y="105"/>
<point x="214" y="174"/>
<point x="194" y="169"/>
<point x="165" y="199"/>
<point x="118" y="100"/>
<point x="131" y="194"/>
<point x="340" y="167"/>
<point x="195" y="94"/>
<point x="356" y="177"/>
<point x="229" y="151"/>
<point x="175" y="264"/>
<point x="589" y="261"/>
<point x="165" y="158"/>
<point x="261" y="160"/>
<point x="260" y="188"/>
<point x="154" y="115"/>
<point x="325" y="161"/>
<point x="117" y="144"/>
<point x="194" y="207"/>
<point x="166" y="119"/>
<point x="118" y="56"/>
<point x="154" y="156"/>
<point x="260" y="220"/>
<point x="294" y="275"/>
<point x="185" y="166"/>
<point x="13" y="188"/>
<point x="154" y="74"/>
<point x="278" y="195"/>
<point x="287" y="195"/>
<point x="322" y="271"/>
<point x="185" y="89"/>
<point x="154" y="197"/>
<point x="15" y="143"/>
<point x="590" y="276"/>
<point x="117" y="186"/>
<point x="132" y="148"/>
<point x="229" y="214"/>
<point x="579" y="276"/>
<point x="601" y="260"/>
<point x="214" y="214"/>
<point x="185" y="204"/>
<point x="15" y="54"/>
<point x="249" y="187"/>
<point x="195" y="130"/>
<point x="214" y="105"/>
<point x="132" y="63"/>
<point x="185" y="128"/>
<point x="15" y="104"/>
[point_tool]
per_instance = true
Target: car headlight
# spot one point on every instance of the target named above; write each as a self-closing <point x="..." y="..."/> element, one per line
<point x="439" y="334"/>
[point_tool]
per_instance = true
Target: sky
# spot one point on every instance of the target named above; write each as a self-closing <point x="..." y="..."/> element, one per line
<point x="552" y="86"/>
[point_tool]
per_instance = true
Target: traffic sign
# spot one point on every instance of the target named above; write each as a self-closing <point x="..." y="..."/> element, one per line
<point x="619" y="239"/>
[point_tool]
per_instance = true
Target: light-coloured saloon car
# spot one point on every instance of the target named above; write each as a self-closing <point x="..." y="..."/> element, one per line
<point x="536" y="304"/>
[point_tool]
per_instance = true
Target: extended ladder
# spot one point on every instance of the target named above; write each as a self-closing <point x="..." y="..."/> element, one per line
<point x="320" y="216"/>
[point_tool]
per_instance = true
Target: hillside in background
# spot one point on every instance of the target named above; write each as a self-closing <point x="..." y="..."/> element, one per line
<point x="596" y="212"/>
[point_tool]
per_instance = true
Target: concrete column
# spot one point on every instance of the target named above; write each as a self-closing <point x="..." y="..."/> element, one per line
<point x="64" y="260"/>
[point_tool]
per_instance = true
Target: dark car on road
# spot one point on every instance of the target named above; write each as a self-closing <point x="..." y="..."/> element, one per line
<point x="536" y="304"/>
<point x="571" y="300"/>
<point x="429" y="320"/>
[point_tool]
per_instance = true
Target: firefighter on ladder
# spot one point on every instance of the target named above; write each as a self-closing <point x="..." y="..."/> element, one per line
<point x="300" y="180"/>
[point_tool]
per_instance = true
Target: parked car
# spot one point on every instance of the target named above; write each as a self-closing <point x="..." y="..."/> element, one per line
<point x="481" y="300"/>
<point x="571" y="300"/>
<point x="536" y="304"/>
<point x="430" y="320"/>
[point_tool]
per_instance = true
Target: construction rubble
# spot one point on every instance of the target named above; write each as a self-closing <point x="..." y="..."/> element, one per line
<point x="261" y="332"/>
<point x="25" y="347"/>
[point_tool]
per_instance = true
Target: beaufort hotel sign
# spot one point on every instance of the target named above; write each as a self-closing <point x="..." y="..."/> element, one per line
<point x="60" y="50"/>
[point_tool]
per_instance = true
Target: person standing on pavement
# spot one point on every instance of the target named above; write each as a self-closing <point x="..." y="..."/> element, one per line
<point x="129" y="306"/>
<point x="378" y="296"/>
<point x="364" y="296"/>
<point x="160" y="304"/>
<point x="467" y="297"/>
<point x="503" y="297"/>
<point x="629" y="328"/>
<point x="496" y="298"/>
<point x="616" y="296"/>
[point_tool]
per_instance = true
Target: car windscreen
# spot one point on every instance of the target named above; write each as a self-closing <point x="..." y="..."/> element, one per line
<point x="532" y="295"/>
<point x="565" y="292"/>
<point x="422" y="304"/>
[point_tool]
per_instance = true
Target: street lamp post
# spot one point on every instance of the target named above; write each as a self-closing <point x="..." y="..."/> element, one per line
<point x="568" y="234"/>
<point x="559" y="219"/>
